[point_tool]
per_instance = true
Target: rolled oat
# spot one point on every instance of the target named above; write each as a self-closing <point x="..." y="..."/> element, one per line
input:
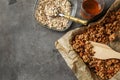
<point x="47" y="13"/>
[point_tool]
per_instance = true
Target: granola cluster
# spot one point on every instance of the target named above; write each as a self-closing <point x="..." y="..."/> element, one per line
<point x="103" y="32"/>
<point x="47" y="13"/>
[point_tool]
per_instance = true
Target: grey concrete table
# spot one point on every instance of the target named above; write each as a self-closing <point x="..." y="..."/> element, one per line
<point x="27" y="50"/>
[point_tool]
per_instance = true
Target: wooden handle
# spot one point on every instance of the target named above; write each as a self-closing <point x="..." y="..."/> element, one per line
<point x="104" y="52"/>
<point x="115" y="54"/>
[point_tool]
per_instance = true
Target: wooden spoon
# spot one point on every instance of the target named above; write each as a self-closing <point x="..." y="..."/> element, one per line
<point x="103" y="51"/>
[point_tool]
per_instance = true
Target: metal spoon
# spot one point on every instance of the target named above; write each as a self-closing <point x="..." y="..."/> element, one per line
<point x="84" y="22"/>
<point x="55" y="11"/>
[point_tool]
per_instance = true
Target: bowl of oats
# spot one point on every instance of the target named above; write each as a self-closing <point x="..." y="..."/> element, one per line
<point x="46" y="13"/>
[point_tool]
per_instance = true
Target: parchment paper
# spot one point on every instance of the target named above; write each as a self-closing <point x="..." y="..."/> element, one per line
<point x="72" y="59"/>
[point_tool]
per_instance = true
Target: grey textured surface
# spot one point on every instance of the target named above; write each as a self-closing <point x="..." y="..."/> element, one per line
<point x="27" y="50"/>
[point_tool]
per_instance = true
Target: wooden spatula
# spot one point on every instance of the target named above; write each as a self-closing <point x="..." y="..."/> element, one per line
<point x="103" y="51"/>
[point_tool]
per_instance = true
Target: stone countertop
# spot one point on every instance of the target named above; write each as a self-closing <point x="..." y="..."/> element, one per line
<point x="27" y="51"/>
